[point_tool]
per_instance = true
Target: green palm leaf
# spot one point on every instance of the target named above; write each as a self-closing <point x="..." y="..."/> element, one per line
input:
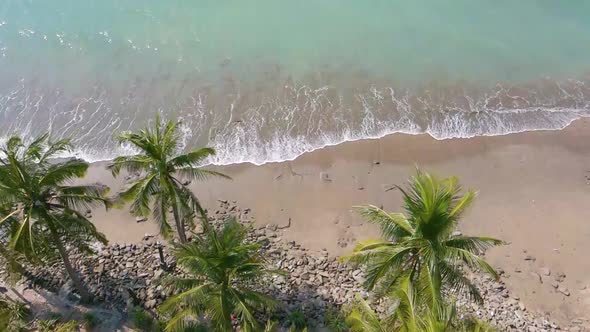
<point x="420" y="245"/>
<point x="221" y="267"/>
<point x="48" y="214"/>
<point x="160" y="169"/>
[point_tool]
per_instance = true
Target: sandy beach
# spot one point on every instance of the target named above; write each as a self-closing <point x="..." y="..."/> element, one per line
<point x="533" y="189"/>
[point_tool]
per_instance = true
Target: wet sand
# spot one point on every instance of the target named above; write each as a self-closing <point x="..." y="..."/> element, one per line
<point x="533" y="193"/>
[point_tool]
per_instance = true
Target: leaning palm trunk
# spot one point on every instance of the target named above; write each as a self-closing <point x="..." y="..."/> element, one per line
<point x="178" y="221"/>
<point x="84" y="294"/>
<point x="41" y="212"/>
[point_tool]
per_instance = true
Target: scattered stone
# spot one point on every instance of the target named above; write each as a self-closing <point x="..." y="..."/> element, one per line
<point x="545" y="271"/>
<point x="529" y="258"/>
<point x="140" y="219"/>
<point x="563" y="291"/>
<point x="324" y="176"/>
<point x="120" y="274"/>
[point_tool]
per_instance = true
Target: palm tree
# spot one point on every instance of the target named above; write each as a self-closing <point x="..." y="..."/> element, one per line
<point x="423" y="243"/>
<point x="34" y="188"/>
<point x="221" y="268"/>
<point x="410" y="314"/>
<point x="13" y="314"/>
<point x="8" y="227"/>
<point x="158" y="164"/>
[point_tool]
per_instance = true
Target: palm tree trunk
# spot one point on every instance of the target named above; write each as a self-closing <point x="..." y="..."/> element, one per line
<point x="84" y="294"/>
<point x="179" y="223"/>
<point x="224" y="308"/>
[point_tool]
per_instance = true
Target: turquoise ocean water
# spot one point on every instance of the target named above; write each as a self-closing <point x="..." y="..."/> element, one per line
<point x="267" y="80"/>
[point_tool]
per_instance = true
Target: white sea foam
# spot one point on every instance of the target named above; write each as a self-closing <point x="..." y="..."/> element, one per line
<point x="244" y="148"/>
<point x="301" y="120"/>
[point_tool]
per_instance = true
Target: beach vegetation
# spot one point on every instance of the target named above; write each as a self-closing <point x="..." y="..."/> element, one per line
<point x="161" y="175"/>
<point x="421" y="256"/>
<point x="220" y="267"/>
<point x="13" y="314"/>
<point x="297" y="320"/>
<point x="335" y="320"/>
<point x="424" y="242"/>
<point x="45" y="211"/>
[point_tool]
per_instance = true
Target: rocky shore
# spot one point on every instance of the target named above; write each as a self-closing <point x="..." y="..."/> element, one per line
<point x="122" y="276"/>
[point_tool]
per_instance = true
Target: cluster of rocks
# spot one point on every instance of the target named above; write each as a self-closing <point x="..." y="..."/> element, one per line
<point x="124" y="275"/>
<point x="504" y="310"/>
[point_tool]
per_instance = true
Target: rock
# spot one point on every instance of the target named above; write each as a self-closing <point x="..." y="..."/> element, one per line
<point x="324" y="176"/>
<point x="545" y="271"/>
<point x="563" y="291"/>
<point x="140" y="219"/>
<point x="150" y="304"/>
<point x="121" y="275"/>
<point x="99" y="269"/>
<point x="529" y="258"/>
<point x="186" y="182"/>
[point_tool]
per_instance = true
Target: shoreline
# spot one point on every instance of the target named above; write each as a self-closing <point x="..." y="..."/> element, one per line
<point x="531" y="187"/>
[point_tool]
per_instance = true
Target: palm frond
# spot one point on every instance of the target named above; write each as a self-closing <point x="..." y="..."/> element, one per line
<point x="192" y="159"/>
<point x="393" y="225"/>
<point x="363" y="319"/>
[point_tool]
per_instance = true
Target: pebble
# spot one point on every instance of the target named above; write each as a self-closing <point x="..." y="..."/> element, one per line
<point x="313" y="281"/>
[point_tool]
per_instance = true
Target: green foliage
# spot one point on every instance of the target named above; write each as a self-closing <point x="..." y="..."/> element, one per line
<point x="422" y="244"/>
<point x="47" y="325"/>
<point x="90" y="321"/>
<point x="157" y="189"/>
<point x="335" y="321"/>
<point x="144" y="321"/>
<point x="71" y="326"/>
<point x="53" y="324"/>
<point x="410" y="314"/>
<point x="271" y="326"/>
<point x="41" y="210"/>
<point x="13" y="315"/>
<point x="419" y="256"/>
<point x="221" y="267"/>
<point x="297" y="320"/>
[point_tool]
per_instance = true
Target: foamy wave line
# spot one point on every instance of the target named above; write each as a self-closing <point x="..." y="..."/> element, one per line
<point x="249" y="149"/>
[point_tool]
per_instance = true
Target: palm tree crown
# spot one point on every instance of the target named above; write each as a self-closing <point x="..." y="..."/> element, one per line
<point x="158" y="165"/>
<point x="220" y="268"/>
<point x="423" y="243"/>
<point x="41" y="211"/>
<point x="411" y="314"/>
